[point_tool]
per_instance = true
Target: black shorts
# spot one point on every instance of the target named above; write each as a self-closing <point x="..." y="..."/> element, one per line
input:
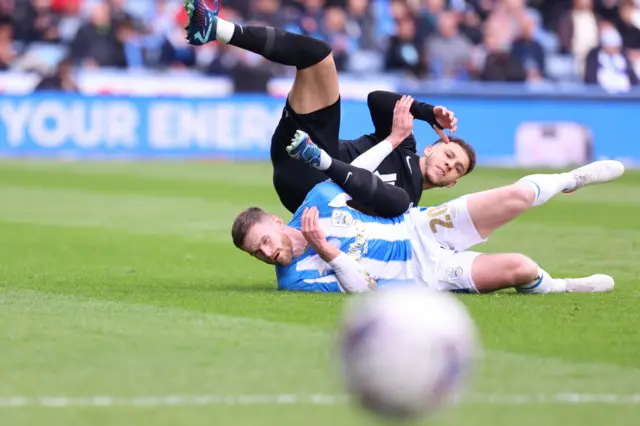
<point x="293" y="179"/>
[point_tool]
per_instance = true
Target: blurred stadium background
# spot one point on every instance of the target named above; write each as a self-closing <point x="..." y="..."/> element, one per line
<point x="539" y="82"/>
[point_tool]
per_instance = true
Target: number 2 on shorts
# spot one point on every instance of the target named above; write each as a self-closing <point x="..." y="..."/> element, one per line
<point x="439" y="217"/>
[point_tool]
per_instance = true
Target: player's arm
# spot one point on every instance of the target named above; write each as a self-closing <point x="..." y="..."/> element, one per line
<point x="349" y="273"/>
<point x="401" y="128"/>
<point x="381" y="104"/>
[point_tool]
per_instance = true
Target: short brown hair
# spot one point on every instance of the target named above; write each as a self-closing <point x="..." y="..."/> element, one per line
<point x="243" y="223"/>
<point x="466" y="147"/>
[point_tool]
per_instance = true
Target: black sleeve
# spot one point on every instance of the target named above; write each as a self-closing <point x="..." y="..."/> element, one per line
<point x="381" y="105"/>
<point x="370" y="194"/>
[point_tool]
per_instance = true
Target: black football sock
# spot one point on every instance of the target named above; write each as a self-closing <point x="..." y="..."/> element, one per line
<point x="280" y="46"/>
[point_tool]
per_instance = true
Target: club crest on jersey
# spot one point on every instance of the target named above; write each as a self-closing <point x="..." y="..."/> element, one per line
<point x="341" y="218"/>
<point x="454" y="273"/>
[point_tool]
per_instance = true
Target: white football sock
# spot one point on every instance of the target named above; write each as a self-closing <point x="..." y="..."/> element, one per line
<point x="325" y="161"/>
<point x="543" y="284"/>
<point x="224" y="30"/>
<point x="547" y="186"/>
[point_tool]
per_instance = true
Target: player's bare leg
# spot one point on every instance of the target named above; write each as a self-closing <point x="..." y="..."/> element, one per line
<point x="316" y="83"/>
<point x="486" y="211"/>
<point x="491" y="209"/>
<point x="492" y="272"/>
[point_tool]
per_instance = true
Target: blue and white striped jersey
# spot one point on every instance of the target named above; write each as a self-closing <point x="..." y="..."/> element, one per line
<point x="381" y="246"/>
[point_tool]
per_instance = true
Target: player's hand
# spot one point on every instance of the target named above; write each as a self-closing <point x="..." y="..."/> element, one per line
<point x="402" y="121"/>
<point x="312" y="231"/>
<point x="447" y="120"/>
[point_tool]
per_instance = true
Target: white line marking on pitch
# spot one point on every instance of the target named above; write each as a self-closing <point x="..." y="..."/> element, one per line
<point x="292" y="399"/>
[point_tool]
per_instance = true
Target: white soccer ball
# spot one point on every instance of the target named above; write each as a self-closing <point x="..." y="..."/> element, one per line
<point x="406" y="352"/>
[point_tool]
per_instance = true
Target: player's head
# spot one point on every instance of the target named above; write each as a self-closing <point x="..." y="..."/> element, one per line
<point x="445" y="163"/>
<point x="263" y="236"/>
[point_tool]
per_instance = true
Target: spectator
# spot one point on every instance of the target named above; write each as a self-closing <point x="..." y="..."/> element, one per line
<point x="578" y="31"/>
<point x="449" y="51"/>
<point x="167" y="46"/>
<point x="447" y="37"/>
<point x="312" y="17"/>
<point x="528" y="51"/>
<point x="471" y="26"/>
<point x="629" y="27"/>
<point x="334" y="31"/>
<point x="507" y="16"/>
<point x="61" y="80"/>
<point x="405" y="52"/>
<point x="129" y="37"/>
<point x="7" y="7"/>
<point x="267" y="11"/>
<point x="499" y="65"/>
<point x="7" y="54"/>
<point x="361" y="24"/>
<point x="628" y="30"/>
<point x="608" y="65"/>
<point x="225" y="60"/>
<point x="483" y="7"/>
<point x="119" y="13"/>
<point x="96" y="44"/>
<point x="428" y="17"/>
<point x="251" y="73"/>
<point x="36" y="22"/>
<point x="607" y="10"/>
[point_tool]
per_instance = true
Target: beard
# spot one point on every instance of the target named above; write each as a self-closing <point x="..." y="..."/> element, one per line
<point x="428" y="180"/>
<point x="286" y="251"/>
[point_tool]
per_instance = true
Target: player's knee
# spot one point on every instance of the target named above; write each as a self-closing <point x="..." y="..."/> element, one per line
<point x="519" y="198"/>
<point x="521" y="270"/>
<point x="319" y="54"/>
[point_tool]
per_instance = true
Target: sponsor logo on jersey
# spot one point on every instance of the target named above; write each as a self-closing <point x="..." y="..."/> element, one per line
<point x="360" y="246"/>
<point x="341" y="218"/>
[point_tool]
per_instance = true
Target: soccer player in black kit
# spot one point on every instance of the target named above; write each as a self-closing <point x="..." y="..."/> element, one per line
<point x="313" y="106"/>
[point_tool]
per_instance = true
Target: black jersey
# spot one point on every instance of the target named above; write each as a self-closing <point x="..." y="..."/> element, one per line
<point x="293" y="179"/>
<point x="400" y="168"/>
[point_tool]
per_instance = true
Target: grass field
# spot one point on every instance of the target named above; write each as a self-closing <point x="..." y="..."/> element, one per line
<point x="122" y="297"/>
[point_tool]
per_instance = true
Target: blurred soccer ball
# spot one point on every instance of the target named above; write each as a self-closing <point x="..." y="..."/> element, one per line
<point x="406" y="352"/>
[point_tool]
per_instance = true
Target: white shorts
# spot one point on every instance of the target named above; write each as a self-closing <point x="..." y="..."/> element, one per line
<point x="444" y="234"/>
<point x="453" y="272"/>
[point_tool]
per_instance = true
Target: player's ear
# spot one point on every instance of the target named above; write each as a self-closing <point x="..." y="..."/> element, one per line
<point x="428" y="150"/>
<point x="452" y="184"/>
<point x="279" y="222"/>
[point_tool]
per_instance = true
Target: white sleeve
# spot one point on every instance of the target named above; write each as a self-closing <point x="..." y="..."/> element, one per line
<point x="371" y="158"/>
<point x="352" y="278"/>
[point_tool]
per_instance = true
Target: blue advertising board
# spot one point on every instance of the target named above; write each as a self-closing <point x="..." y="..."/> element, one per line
<point x="240" y="127"/>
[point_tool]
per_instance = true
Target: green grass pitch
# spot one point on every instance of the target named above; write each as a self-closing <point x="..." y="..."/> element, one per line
<point x="119" y="280"/>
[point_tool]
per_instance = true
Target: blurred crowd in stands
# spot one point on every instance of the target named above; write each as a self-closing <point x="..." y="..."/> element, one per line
<point x="597" y="41"/>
